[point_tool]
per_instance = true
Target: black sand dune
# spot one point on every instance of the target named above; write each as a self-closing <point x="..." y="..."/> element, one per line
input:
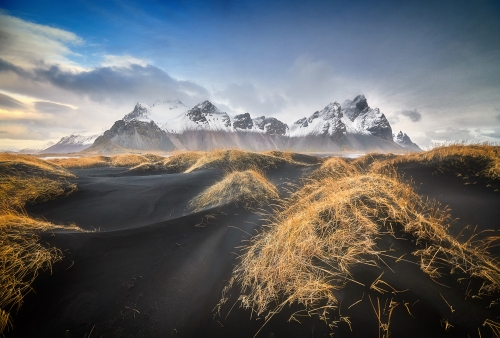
<point x="157" y="270"/>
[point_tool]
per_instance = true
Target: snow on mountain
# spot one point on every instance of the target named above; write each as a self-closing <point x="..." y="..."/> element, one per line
<point x="353" y="117"/>
<point x="36" y="150"/>
<point x="160" y="112"/>
<point x="404" y="141"/>
<point x="203" y="116"/>
<point x="325" y="122"/>
<point x="72" y="143"/>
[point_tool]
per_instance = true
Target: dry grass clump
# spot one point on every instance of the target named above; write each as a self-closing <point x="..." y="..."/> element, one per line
<point x="25" y="179"/>
<point x="332" y="224"/>
<point x="126" y="160"/>
<point x="235" y="160"/>
<point x="334" y="167"/>
<point x="14" y="164"/>
<point x="17" y="191"/>
<point x="249" y="188"/>
<point x="479" y="159"/>
<point x="296" y="158"/>
<point x="364" y="163"/>
<point x="81" y="162"/>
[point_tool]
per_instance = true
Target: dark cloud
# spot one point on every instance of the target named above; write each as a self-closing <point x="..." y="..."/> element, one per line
<point x="497" y="117"/>
<point x="135" y="83"/>
<point x="52" y="108"/>
<point x="9" y="67"/>
<point x="246" y="97"/>
<point x="9" y="102"/>
<point x="413" y="115"/>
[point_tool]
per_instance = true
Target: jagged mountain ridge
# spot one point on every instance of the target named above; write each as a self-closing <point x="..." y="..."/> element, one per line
<point x="71" y="144"/>
<point x="404" y="141"/>
<point x="166" y="124"/>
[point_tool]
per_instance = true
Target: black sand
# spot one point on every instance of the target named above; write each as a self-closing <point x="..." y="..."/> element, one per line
<point x="156" y="270"/>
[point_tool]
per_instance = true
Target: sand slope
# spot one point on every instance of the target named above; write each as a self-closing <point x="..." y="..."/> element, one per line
<point x="157" y="270"/>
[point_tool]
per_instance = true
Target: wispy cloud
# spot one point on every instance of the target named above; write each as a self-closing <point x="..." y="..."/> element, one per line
<point x="26" y="44"/>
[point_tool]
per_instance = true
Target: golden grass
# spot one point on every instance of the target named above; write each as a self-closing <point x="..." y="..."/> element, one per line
<point x="235" y="160"/>
<point x="81" y="162"/>
<point x="334" y="167"/>
<point x="189" y="161"/>
<point x="295" y="158"/>
<point x="478" y="159"/>
<point x="249" y="188"/>
<point x="128" y="160"/>
<point x="25" y="179"/>
<point x="364" y="163"/>
<point x="332" y="224"/>
<point x="13" y="164"/>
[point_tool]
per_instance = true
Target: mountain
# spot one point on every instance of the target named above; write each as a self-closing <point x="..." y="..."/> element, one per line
<point x="134" y="134"/>
<point x="404" y="141"/>
<point x="169" y="125"/>
<point x="353" y="117"/>
<point x="35" y="150"/>
<point x="327" y="122"/>
<point x="71" y="144"/>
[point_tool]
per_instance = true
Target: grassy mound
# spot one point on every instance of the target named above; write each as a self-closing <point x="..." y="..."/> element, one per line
<point x="472" y="159"/>
<point x="331" y="225"/>
<point x="25" y="179"/>
<point x="17" y="165"/>
<point x="249" y="188"/>
<point x="296" y="158"/>
<point x="128" y="160"/>
<point x="334" y="167"/>
<point x="235" y="160"/>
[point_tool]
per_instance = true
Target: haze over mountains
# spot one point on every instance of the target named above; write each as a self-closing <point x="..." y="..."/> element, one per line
<point x="170" y="125"/>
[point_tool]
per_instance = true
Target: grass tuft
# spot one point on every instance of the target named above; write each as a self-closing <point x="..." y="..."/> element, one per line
<point x="25" y="179"/>
<point x="477" y="159"/>
<point x="249" y="188"/>
<point x="309" y="247"/>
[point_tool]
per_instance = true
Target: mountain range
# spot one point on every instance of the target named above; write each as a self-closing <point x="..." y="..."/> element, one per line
<point x="170" y="125"/>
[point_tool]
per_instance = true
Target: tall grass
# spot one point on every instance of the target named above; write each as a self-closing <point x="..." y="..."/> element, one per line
<point x="127" y="160"/>
<point x="309" y="247"/>
<point x="189" y="161"/>
<point x="249" y="188"/>
<point x="478" y="159"/>
<point x="25" y="179"/>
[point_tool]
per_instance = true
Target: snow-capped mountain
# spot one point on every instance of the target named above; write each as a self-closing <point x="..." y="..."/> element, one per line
<point x="72" y="143"/>
<point x="35" y="150"/>
<point x="169" y="125"/>
<point x="133" y="134"/>
<point x="404" y="141"/>
<point x="325" y="122"/>
<point x="160" y="112"/>
<point x="353" y="117"/>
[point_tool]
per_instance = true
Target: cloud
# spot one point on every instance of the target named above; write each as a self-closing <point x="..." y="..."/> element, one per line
<point x="497" y="117"/>
<point x="20" y="132"/>
<point x="450" y="134"/>
<point x="309" y="80"/>
<point x="115" y="84"/>
<point x="51" y="108"/>
<point x="123" y="61"/>
<point x="26" y="44"/>
<point x="10" y="103"/>
<point x="246" y="98"/>
<point x="413" y="115"/>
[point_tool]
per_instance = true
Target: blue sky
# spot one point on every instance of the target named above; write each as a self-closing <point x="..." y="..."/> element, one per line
<point x="434" y="60"/>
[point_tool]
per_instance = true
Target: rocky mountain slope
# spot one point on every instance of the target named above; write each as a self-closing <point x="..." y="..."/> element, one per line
<point x="169" y="125"/>
<point x="404" y="141"/>
<point x="71" y="144"/>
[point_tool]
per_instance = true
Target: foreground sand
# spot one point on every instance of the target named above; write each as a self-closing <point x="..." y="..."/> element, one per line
<point x="156" y="269"/>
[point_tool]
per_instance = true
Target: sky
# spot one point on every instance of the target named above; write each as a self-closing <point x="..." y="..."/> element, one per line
<point x="432" y="67"/>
